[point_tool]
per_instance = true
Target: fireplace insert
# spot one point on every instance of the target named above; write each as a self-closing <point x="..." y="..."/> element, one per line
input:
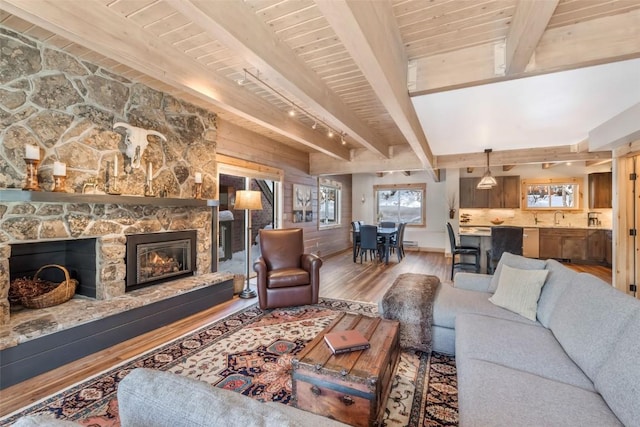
<point x="159" y="257"/>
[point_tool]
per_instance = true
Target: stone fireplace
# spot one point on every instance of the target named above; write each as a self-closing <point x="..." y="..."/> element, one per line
<point x="45" y="231"/>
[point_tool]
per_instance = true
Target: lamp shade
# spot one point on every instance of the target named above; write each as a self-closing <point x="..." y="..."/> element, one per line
<point x="248" y="199"/>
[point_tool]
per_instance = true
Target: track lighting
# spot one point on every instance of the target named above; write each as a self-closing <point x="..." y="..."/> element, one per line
<point x="243" y="81"/>
<point x="293" y="111"/>
<point x="342" y="140"/>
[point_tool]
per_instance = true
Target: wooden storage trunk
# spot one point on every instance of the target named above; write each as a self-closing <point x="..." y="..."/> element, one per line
<point x="350" y="387"/>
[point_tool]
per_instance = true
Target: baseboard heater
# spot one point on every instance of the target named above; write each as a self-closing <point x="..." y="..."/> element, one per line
<point x="410" y="243"/>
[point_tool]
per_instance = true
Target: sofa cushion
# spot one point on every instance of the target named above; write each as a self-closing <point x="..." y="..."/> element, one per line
<point x="515" y="261"/>
<point x="619" y="378"/>
<point x="494" y="395"/>
<point x="589" y="319"/>
<point x="519" y="290"/>
<point x="451" y="301"/>
<point x="559" y="278"/>
<point x="150" y="398"/>
<point x="286" y="277"/>
<point x="526" y="347"/>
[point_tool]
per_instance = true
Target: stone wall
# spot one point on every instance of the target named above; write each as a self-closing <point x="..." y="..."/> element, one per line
<point x="67" y="107"/>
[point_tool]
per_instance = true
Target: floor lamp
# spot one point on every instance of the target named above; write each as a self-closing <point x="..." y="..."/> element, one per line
<point x="249" y="201"/>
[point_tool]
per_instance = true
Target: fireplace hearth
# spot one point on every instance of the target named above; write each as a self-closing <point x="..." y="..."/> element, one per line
<point x="159" y="257"/>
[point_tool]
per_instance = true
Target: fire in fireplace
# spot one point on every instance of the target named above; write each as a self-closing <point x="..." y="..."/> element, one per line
<point x="159" y="257"/>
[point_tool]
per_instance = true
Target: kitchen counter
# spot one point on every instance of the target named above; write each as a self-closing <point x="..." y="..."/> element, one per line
<point x="485" y="230"/>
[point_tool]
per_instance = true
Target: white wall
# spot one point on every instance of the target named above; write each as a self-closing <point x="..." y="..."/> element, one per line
<point x="430" y="236"/>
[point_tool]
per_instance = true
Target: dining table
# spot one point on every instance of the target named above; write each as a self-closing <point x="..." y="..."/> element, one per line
<point x="385" y="233"/>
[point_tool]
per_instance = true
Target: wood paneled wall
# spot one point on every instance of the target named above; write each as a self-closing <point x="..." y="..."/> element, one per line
<point x="242" y="144"/>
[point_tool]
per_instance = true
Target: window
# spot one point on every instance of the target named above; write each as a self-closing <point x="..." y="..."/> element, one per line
<point x="554" y="193"/>
<point x="329" y="200"/>
<point x="401" y="203"/>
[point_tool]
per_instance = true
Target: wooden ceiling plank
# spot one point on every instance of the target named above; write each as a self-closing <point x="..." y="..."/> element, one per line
<point x="111" y="34"/>
<point x="277" y="63"/>
<point x="527" y="26"/>
<point x="584" y="44"/>
<point x="370" y="34"/>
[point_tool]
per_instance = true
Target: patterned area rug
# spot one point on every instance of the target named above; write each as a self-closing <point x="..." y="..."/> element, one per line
<point x="250" y="352"/>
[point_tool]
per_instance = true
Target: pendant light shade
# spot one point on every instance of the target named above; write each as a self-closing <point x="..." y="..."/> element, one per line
<point x="487" y="181"/>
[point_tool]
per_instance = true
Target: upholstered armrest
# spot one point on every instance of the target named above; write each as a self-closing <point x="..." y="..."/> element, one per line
<point x="472" y="281"/>
<point x="310" y="262"/>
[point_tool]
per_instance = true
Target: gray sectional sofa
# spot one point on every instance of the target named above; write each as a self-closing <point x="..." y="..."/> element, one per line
<point x="577" y="364"/>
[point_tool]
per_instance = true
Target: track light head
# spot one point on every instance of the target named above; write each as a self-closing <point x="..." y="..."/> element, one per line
<point x="330" y="133"/>
<point x="314" y="126"/>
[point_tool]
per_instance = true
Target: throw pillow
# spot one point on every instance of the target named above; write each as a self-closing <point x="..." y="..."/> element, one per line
<point x="515" y="261"/>
<point x="519" y="290"/>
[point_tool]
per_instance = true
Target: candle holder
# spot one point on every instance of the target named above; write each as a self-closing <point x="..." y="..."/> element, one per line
<point x="197" y="190"/>
<point x="31" y="183"/>
<point x="148" y="189"/>
<point x="113" y="186"/>
<point x="59" y="183"/>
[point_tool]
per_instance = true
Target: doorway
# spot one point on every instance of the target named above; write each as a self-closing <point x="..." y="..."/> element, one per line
<point x="627" y="214"/>
<point x="232" y="230"/>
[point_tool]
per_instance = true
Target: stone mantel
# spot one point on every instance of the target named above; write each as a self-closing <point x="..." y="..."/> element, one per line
<point x="50" y="197"/>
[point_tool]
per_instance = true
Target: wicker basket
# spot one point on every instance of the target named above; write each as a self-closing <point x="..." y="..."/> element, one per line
<point x="62" y="293"/>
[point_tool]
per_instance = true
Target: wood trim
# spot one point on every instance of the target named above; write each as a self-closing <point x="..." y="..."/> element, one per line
<point x="409" y="186"/>
<point x="274" y="173"/>
<point x="579" y="181"/>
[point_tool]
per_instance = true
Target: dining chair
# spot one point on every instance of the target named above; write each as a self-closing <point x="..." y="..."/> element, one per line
<point x="369" y="242"/>
<point x="355" y="234"/>
<point x="503" y="239"/>
<point x="396" y="242"/>
<point x="462" y="251"/>
<point x="387" y="224"/>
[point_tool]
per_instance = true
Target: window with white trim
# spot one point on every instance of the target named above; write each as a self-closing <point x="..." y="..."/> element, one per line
<point x="401" y="203"/>
<point x="329" y="203"/>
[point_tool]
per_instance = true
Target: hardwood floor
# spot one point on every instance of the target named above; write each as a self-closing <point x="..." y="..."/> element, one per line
<point x="340" y="278"/>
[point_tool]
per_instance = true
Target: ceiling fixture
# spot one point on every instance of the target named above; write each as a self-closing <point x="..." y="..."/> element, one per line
<point x="294" y="107"/>
<point x="487" y="182"/>
<point x="342" y="141"/>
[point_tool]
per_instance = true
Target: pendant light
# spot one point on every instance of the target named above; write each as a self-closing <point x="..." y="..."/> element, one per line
<point x="487" y="182"/>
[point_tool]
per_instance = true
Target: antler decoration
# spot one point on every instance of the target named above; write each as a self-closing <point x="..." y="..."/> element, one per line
<point x="136" y="140"/>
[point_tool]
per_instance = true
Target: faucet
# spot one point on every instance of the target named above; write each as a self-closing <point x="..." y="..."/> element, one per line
<point x="555" y="217"/>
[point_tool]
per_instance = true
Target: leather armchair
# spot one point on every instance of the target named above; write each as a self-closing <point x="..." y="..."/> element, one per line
<point x="286" y="276"/>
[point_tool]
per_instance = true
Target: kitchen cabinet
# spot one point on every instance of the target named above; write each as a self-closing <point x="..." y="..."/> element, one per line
<point x="531" y="242"/>
<point x="470" y="196"/>
<point x="600" y="190"/>
<point x="504" y="195"/>
<point x="575" y="245"/>
<point x="596" y="245"/>
<point x="550" y="244"/>
<point x="608" y="247"/>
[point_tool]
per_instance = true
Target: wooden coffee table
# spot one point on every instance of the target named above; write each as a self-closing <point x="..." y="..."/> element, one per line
<point x="350" y="387"/>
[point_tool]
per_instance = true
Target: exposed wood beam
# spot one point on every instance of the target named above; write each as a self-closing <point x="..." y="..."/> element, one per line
<point x="550" y="165"/>
<point x="527" y="26"/>
<point x="364" y="161"/>
<point x="379" y="174"/>
<point x="596" y="162"/>
<point x="370" y="34"/>
<point x="598" y="41"/>
<point x="228" y="23"/>
<point x="90" y="24"/>
<point x="507" y="168"/>
<point x="521" y="156"/>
